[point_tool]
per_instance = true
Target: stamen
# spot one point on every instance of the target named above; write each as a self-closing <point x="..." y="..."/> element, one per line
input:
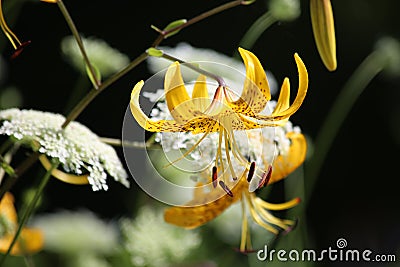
<point x="265" y="177"/>
<point x="19" y="49"/>
<point x="280" y="206"/>
<point x="226" y="189"/>
<point x="228" y="156"/>
<point x="214" y="176"/>
<point x="290" y="228"/>
<point x="251" y="171"/>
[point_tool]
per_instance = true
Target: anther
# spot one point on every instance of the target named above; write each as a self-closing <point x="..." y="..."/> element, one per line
<point x="265" y="177"/>
<point x="19" y="49"/>
<point x="251" y="171"/>
<point x="214" y="176"/>
<point x="226" y="189"/>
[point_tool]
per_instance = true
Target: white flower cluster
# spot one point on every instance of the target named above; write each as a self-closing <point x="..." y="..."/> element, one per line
<point x="152" y="242"/>
<point x="77" y="148"/>
<point x="107" y="59"/>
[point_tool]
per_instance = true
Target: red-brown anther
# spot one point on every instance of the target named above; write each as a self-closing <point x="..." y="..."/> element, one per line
<point x="226" y="189"/>
<point x="251" y="171"/>
<point x="19" y="50"/>
<point x="266" y="177"/>
<point x="214" y="176"/>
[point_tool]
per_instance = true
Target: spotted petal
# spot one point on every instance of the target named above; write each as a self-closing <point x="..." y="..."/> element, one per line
<point x="204" y="207"/>
<point x="256" y="92"/>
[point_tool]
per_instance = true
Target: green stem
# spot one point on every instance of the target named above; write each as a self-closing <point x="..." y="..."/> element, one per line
<point x="363" y="75"/>
<point x="30" y="208"/>
<point x="198" y="18"/>
<point x="217" y="78"/>
<point x="94" y="92"/>
<point x="19" y="171"/>
<point x="78" y="38"/>
<point x="256" y="29"/>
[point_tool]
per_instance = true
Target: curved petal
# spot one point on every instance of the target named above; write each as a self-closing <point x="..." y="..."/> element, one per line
<point x="63" y="176"/>
<point x="256" y="92"/>
<point x="204" y="207"/>
<point x="200" y="95"/>
<point x="179" y="103"/>
<point x="284" y="98"/>
<point x="301" y="94"/>
<point x="283" y="165"/>
<point x="144" y="121"/>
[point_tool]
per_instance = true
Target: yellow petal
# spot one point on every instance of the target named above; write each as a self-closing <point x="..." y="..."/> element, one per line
<point x="200" y="94"/>
<point x="301" y="94"/>
<point x="283" y="165"/>
<point x="324" y="31"/>
<point x="63" y="176"/>
<point x="7" y="208"/>
<point x="179" y="103"/>
<point x="30" y="241"/>
<point x="256" y="92"/>
<point x="204" y="207"/>
<point x="144" y="121"/>
<point x="284" y="98"/>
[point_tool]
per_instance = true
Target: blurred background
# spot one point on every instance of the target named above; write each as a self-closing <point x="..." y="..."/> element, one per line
<point x="356" y="193"/>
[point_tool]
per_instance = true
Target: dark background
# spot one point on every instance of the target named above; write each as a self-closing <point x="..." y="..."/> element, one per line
<point x="356" y="195"/>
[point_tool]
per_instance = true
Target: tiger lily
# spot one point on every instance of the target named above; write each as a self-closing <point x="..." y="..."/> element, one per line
<point x="30" y="240"/>
<point x="224" y="114"/>
<point x="208" y="204"/>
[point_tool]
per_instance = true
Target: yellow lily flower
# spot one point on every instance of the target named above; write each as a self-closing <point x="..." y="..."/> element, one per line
<point x="324" y="31"/>
<point x="30" y="240"/>
<point x="208" y="204"/>
<point x="223" y="114"/>
<point x="15" y="42"/>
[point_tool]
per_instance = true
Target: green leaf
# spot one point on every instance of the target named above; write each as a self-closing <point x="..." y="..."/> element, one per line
<point x="154" y="52"/>
<point x="173" y="25"/>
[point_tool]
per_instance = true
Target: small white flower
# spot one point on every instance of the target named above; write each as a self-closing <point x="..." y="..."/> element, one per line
<point x="107" y="59"/>
<point x="77" y="148"/>
<point x="152" y="242"/>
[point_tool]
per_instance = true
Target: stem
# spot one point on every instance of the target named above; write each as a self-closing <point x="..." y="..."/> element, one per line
<point x="78" y="38"/>
<point x="119" y="142"/>
<point x="19" y="171"/>
<point x="30" y="209"/>
<point x="256" y="29"/>
<point x="94" y="92"/>
<point x="363" y="75"/>
<point x="198" y="18"/>
<point x="218" y="79"/>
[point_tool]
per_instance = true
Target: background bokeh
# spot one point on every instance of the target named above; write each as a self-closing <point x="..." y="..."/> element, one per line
<point x="356" y="194"/>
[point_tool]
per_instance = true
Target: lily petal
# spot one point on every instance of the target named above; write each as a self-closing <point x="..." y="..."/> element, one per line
<point x="30" y="241"/>
<point x="179" y="103"/>
<point x="200" y="94"/>
<point x="256" y="92"/>
<point x="144" y="121"/>
<point x="324" y="31"/>
<point x="301" y="94"/>
<point x="284" y="98"/>
<point x="7" y="208"/>
<point x="204" y="207"/>
<point x="283" y="165"/>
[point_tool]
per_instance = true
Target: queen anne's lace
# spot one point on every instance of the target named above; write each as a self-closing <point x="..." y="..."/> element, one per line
<point x="77" y="148"/>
